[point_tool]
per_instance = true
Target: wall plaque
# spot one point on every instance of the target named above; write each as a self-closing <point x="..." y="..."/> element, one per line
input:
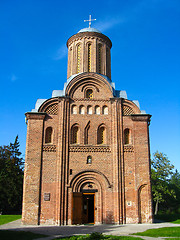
<point x="46" y="196"/>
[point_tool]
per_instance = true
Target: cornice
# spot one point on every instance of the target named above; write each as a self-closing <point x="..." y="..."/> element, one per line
<point x="88" y="35"/>
<point x="141" y="117"/>
<point x="35" y="115"/>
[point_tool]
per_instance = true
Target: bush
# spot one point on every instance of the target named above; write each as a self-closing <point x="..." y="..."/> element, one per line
<point x="95" y="236"/>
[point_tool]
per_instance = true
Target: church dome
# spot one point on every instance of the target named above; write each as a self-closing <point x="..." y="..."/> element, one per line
<point x="89" y="30"/>
<point x="89" y="51"/>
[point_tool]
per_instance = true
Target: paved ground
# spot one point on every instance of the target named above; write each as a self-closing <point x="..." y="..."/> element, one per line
<point x="61" y="231"/>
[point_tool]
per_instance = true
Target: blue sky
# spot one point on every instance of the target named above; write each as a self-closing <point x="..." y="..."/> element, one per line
<point x="145" y="59"/>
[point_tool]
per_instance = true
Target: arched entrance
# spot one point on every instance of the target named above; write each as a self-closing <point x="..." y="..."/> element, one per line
<point x="88" y="189"/>
<point x="84" y="207"/>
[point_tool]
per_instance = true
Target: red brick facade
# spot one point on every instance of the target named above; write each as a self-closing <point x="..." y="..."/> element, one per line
<point x="87" y="152"/>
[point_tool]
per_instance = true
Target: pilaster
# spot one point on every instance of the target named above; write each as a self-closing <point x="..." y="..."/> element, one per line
<point x="32" y="172"/>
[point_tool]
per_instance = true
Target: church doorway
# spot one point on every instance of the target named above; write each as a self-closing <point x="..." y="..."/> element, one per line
<point x="83" y="208"/>
<point x="88" y="208"/>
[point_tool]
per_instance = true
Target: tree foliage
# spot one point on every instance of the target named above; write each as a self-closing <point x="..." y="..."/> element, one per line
<point x="11" y="178"/>
<point x="165" y="184"/>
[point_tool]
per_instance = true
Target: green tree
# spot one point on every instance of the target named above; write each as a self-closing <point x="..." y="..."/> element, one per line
<point x="11" y="178"/>
<point x="175" y="179"/>
<point x="161" y="172"/>
<point x="175" y="185"/>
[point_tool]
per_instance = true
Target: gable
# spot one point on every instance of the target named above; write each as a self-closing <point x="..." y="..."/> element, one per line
<point x="81" y="84"/>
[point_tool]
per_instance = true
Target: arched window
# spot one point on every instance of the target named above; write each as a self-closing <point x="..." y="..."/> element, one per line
<point x="99" y="58"/>
<point x="74" y="109"/>
<point x="48" y="135"/>
<point x="89" y="160"/>
<point x="89" y="57"/>
<point x="81" y="109"/>
<point x="101" y="135"/>
<point x="75" y="135"/>
<point x="127" y="136"/>
<point x="105" y="110"/>
<point x="97" y="110"/>
<point x="89" y="93"/>
<point x="89" y="109"/>
<point x="78" y="58"/>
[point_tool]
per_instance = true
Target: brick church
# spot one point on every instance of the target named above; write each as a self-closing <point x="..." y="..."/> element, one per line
<point x="87" y="151"/>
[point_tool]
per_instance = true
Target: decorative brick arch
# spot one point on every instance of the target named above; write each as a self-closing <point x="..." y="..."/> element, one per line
<point x="85" y="176"/>
<point x="93" y="79"/>
<point x="100" y="184"/>
<point x="130" y="108"/>
<point x="50" y="105"/>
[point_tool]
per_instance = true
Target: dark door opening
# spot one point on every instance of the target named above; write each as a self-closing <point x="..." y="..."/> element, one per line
<point x="88" y="208"/>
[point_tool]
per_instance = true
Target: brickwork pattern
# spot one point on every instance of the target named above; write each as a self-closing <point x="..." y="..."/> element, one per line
<point x="53" y="109"/>
<point x="127" y="111"/>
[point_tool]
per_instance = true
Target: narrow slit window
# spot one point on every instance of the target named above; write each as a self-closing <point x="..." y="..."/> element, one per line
<point x="99" y="58"/>
<point x="78" y="58"/>
<point x="89" y="57"/>
<point x="48" y="135"/>
<point x="101" y="135"/>
<point x="126" y="136"/>
<point x="75" y="133"/>
<point x="89" y="160"/>
<point x="108" y="62"/>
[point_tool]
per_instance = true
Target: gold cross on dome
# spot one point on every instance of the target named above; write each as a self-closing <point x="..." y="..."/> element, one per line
<point x="90" y="20"/>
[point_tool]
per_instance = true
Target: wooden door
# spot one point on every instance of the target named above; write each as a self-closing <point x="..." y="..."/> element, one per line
<point x="77" y="208"/>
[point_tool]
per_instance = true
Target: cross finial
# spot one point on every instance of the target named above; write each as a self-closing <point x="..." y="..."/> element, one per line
<point x="90" y="20"/>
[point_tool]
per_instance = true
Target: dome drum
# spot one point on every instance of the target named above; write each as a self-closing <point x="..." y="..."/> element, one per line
<point x="89" y="52"/>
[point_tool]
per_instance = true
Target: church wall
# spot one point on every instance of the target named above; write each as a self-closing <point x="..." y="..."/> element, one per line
<point x="130" y="181"/>
<point x="130" y="188"/>
<point x="101" y="158"/>
<point x="104" y="157"/>
<point x="32" y="173"/>
<point x="95" y="120"/>
<point x="48" y="190"/>
<point x="50" y="181"/>
<point x="142" y="158"/>
<point x="136" y="160"/>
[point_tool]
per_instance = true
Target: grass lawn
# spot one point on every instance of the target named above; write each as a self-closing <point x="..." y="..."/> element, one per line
<point x="161" y="232"/>
<point x="176" y="221"/>
<point x="172" y="238"/>
<point x="15" y="235"/>
<point x="8" y="218"/>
